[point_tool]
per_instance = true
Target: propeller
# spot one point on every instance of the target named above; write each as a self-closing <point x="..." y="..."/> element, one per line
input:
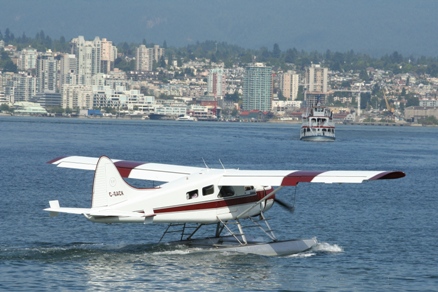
<point x="284" y="205"/>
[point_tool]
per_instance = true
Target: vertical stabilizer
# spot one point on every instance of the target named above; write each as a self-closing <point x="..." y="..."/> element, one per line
<point x="109" y="188"/>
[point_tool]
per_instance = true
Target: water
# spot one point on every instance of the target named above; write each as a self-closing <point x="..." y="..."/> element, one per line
<point x="378" y="235"/>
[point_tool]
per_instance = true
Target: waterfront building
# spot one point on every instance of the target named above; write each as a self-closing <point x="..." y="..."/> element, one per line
<point x="16" y="87"/>
<point x="257" y="87"/>
<point x="48" y="99"/>
<point x="28" y="108"/>
<point x="289" y="85"/>
<point x="25" y="87"/>
<point x="77" y="97"/>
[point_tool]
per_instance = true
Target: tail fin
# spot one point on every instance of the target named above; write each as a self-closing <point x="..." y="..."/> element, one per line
<point x="109" y="188"/>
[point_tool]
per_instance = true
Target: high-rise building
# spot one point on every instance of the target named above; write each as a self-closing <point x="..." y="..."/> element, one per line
<point x="109" y="54"/>
<point x="316" y="79"/>
<point x="142" y="61"/>
<point x="145" y="57"/>
<point x="68" y="69"/>
<point x="316" y="84"/>
<point x="257" y="87"/>
<point x="89" y="56"/>
<point x="216" y="82"/>
<point x="47" y="72"/>
<point x="27" y="59"/>
<point x="289" y="85"/>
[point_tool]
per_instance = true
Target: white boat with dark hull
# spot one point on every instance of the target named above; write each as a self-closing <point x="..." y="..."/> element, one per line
<point x="186" y="118"/>
<point x="317" y="124"/>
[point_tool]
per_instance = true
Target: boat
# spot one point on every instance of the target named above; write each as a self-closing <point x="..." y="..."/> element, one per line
<point x="317" y="123"/>
<point x="154" y="116"/>
<point x="186" y="118"/>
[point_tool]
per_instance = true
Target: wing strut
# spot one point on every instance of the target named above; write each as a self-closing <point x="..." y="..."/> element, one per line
<point x="258" y="202"/>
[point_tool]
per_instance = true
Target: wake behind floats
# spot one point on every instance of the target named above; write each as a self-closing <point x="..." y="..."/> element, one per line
<point x="226" y="199"/>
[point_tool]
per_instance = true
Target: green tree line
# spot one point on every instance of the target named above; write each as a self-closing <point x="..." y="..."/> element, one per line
<point x="229" y="54"/>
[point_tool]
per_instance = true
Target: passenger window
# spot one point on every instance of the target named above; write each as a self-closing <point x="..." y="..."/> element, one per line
<point x="226" y="191"/>
<point x="208" y="190"/>
<point x="192" y="194"/>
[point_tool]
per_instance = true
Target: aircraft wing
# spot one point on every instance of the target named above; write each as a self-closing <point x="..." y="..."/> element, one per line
<point x="130" y="169"/>
<point x="293" y="177"/>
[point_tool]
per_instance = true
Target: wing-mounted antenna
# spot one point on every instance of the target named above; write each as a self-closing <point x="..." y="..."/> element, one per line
<point x="222" y="165"/>
<point x="206" y="166"/>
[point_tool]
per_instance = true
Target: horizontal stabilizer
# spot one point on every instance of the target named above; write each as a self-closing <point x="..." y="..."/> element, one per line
<point x="55" y="209"/>
<point x="117" y="213"/>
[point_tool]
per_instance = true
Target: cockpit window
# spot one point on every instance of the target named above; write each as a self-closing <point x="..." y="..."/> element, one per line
<point x="208" y="190"/>
<point x="226" y="191"/>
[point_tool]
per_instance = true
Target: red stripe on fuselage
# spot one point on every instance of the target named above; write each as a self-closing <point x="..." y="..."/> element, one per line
<point x="294" y="178"/>
<point x="225" y="202"/>
<point x="124" y="167"/>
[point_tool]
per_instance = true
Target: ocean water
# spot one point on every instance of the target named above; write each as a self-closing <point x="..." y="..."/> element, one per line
<point x="375" y="236"/>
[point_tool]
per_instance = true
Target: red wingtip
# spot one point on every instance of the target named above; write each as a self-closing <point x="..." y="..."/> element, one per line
<point x="56" y="159"/>
<point x="389" y="175"/>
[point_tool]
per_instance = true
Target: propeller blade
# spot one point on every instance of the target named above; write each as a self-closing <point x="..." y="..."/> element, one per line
<point x="284" y="205"/>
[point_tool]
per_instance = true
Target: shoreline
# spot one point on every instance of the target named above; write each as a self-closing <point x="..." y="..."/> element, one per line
<point x="377" y="124"/>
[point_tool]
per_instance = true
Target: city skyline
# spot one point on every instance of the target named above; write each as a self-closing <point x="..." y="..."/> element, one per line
<point x="371" y="27"/>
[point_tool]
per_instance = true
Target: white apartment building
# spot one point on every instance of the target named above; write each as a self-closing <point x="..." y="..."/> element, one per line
<point x="77" y="96"/>
<point x="47" y="72"/>
<point x="316" y="79"/>
<point x="68" y="69"/>
<point x="145" y="57"/>
<point x="89" y="56"/>
<point x="27" y="59"/>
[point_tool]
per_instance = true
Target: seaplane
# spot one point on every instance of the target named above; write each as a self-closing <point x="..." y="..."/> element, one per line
<point x="231" y="201"/>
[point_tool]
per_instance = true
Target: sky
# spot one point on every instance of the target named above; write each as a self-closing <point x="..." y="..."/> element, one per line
<point x="374" y="27"/>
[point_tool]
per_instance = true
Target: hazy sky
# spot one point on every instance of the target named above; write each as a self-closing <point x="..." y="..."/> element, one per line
<point x="375" y="27"/>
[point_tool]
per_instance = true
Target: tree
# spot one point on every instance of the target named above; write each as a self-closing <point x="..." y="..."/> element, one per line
<point x="276" y="52"/>
<point x="412" y="101"/>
